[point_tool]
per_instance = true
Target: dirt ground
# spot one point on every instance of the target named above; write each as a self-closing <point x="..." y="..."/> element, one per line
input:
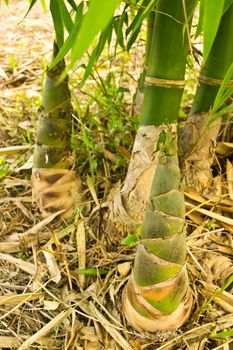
<point x="45" y="300"/>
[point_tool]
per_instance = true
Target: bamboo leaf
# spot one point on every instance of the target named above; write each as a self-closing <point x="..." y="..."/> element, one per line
<point x="71" y="38"/>
<point x="97" y="52"/>
<point x="213" y="11"/>
<point x="119" y="23"/>
<point x="118" y="26"/>
<point x="66" y="18"/>
<point x="91" y="25"/>
<point x="222" y="334"/>
<point x="224" y="92"/>
<point x="57" y="21"/>
<point x="226" y="95"/>
<point x="227" y="109"/>
<point x="133" y="38"/>
<point x="43" y="4"/>
<point x="32" y="3"/>
<point x="227" y="4"/>
<point x="228" y="282"/>
<point x="130" y="240"/>
<point x="136" y="24"/>
<point x="137" y="17"/>
<point x="92" y="271"/>
<point x="73" y="4"/>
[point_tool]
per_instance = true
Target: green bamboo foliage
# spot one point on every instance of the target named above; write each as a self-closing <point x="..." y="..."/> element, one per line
<point x="157" y="296"/>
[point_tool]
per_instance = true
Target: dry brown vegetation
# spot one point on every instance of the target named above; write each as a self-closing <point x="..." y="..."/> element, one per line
<point x="46" y="302"/>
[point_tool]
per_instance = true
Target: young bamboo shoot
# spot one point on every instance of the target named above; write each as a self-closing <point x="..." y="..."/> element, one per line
<point x="157" y="296"/>
<point x="55" y="184"/>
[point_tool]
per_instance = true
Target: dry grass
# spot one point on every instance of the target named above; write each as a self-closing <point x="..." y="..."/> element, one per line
<point x="45" y="302"/>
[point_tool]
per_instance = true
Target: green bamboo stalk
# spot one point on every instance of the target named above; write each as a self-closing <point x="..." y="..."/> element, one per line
<point x="216" y="66"/>
<point x="167" y="61"/>
<point x="199" y="134"/>
<point x="54" y="125"/>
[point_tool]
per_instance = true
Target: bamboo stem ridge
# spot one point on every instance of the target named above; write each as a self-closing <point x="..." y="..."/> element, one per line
<point x="55" y="184"/>
<point x="157" y="296"/>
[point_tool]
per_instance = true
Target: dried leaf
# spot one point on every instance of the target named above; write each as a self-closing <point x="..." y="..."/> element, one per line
<point x="124" y="152"/>
<point x="35" y="229"/>
<point x="88" y="333"/>
<point x="24" y="210"/>
<point x="81" y="248"/>
<point x="18" y="298"/>
<point x="111" y="156"/>
<point x="50" y="305"/>
<point x="93" y="345"/>
<point x="199" y="332"/>
<point x="230" y="178"/>
<point x="53" y="268"/>
<point x="222" y="298"/>
<point x="45" y="330"/>
<point x="124" y="268"/>
<point x="218" y="268"/>
<point x="13" y="150"/>
<point x="13" y="342"/>
<point x="3" y="74"/>
<point x="211" y="214"/>
<point x="9" y="247"/>
<point x="92" y="190"/>
<point x="92" y="311"/>
<point x="224" y="148"/>
<point x="23" y="265"/>
<point x="25" y="166"/>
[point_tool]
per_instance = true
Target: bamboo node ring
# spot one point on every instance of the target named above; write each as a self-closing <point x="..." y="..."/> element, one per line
<point x="213" y="81"/>
<point x="166" y="83"/>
